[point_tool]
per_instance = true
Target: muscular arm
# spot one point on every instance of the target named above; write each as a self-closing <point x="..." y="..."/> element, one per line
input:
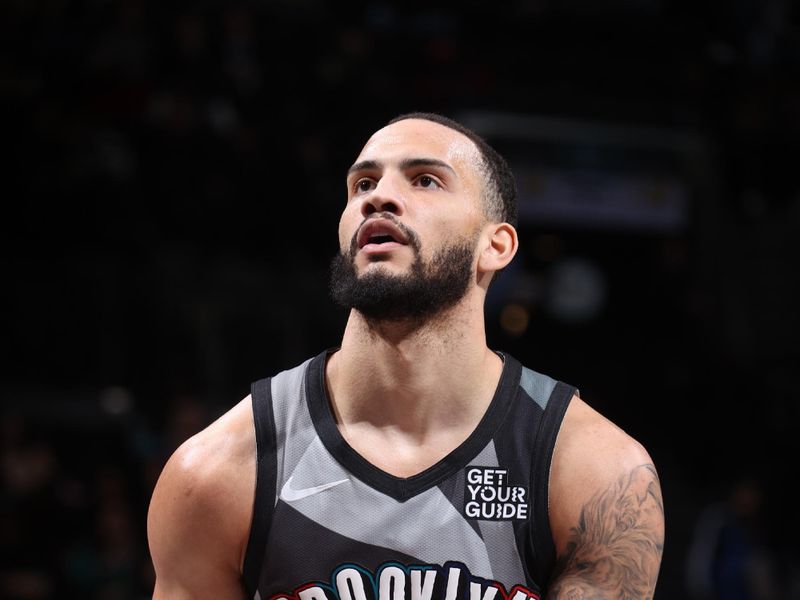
<point x="200" y="512"/>
<point x="607" y="514"/>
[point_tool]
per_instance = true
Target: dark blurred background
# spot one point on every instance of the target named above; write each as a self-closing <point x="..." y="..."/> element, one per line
<point x="174" y="174"/>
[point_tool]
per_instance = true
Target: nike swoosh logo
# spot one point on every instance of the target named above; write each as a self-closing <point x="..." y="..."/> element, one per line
<point x="290" y="494"/>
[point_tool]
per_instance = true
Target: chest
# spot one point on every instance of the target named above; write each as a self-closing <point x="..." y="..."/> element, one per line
<point x="471" y="526"/>
<point x="402" y="455"/>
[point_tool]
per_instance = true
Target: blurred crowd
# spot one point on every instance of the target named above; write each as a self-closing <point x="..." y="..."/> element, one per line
<point x="75" y="496"/>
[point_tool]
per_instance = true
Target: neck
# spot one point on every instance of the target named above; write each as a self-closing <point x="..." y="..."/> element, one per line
<point x="414" y="376"/>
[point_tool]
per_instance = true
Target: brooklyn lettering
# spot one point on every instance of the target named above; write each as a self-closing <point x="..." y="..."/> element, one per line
<point x="394" y="581"/>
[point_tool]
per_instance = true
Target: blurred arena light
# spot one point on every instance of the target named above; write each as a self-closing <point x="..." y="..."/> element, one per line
<point x="514" y="319"/>
<point x="116" y="400"/>
<point x="577" y="291"/>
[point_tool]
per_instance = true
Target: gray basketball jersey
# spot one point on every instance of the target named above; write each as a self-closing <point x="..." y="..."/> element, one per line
<point x="328" y="525"/>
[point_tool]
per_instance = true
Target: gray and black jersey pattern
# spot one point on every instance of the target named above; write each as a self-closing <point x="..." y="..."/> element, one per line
<point x="328" y="525"/>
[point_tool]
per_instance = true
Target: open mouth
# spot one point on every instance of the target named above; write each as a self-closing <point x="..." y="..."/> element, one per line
<point x="380" y="232"/>
<point x="380" y="239"/>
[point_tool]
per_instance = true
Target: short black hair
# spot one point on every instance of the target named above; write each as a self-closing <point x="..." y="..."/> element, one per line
<point x="500" y="189"/>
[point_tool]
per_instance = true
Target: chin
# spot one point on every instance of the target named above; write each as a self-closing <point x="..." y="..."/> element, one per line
<point x="384" y="263"/>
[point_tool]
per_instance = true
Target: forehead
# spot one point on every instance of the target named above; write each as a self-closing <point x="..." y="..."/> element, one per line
<point x="414" y="138"/>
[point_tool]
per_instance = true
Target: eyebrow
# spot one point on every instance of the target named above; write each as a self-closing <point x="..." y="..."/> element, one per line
<point x="406" y="163"/>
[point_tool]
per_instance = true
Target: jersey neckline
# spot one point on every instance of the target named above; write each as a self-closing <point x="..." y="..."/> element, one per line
<point x="403" y="488"/>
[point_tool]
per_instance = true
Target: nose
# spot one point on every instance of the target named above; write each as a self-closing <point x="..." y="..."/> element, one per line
<point x="386" y="197"/>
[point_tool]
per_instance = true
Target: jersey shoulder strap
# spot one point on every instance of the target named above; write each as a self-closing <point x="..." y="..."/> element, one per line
<point x="266" y="476"/>
<point x="553" y="397"/>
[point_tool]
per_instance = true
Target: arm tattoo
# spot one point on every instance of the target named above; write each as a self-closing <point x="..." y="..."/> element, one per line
<point x="615" y="550"/>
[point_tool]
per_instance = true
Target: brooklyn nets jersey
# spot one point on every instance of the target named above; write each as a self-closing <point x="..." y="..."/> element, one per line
<point x="328" y="525"/>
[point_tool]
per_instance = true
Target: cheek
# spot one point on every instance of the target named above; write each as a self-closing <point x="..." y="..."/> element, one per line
<point x="342" y="235"/>
<point x="451" y="227"/>
<point x="348" y="223"/>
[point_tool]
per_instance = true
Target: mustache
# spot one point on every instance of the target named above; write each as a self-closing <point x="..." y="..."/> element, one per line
<point x="411" y="235"/>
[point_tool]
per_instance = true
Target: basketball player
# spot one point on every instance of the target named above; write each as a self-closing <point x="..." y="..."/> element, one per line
<point x="413" y="462"/>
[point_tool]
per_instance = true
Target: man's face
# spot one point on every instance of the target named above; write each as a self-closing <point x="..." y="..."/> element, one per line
<point x="409" y="230"/>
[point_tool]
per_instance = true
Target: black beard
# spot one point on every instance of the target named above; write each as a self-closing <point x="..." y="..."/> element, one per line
<point x="427" y="290"/>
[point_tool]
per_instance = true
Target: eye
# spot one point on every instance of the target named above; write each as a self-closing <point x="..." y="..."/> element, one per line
<point x="428" y="182"/>
<point x="364" y="185"/>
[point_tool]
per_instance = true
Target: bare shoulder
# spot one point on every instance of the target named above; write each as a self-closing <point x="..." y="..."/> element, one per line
<point x="606" y="510"/>
<point x="200" y="511"/>
<point x="591" y="453"/>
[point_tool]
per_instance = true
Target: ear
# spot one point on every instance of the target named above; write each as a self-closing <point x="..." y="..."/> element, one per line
<point x="501" y="248"/>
